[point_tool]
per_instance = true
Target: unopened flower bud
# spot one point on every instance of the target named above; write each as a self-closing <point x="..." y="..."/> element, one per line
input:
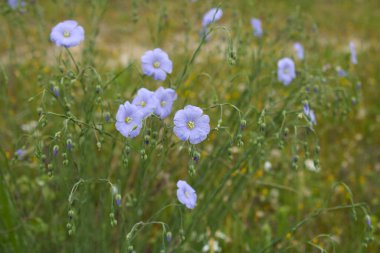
<point x="191" y="170"/>
<point x="196" y="156"/>
<point x="98" y="89"/>
<point x="169" y="236"/>
<point x="368" y="221"/>
<point x="55" y="90"/>
<point x="182" y="234"/>
<point x="262" y="127"/>
<point x="286" y="132"/>
<point x="70" y="74"/>
<point x="127" y="149"/>
<point x="118" y="199"/>
<point x="55" y="150"/>
<point x="231" y="55"/>
<point x="69" y="144"/>
<point x="219" y="123"/>
<point x="243" y="124"/>
<point x="146" y="139"/>
<point x="39" y="111"/>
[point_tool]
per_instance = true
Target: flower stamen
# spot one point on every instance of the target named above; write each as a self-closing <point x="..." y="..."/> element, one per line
<point x="163" y="103"/>
<point x="143" y="104"/>
<point x="156" y="64"/>
<point x="190" y="124"/>
<point x="66" y="34"/>
<point x="127" y="120"/>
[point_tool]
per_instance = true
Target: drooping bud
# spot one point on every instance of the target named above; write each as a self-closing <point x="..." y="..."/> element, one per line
<point x="191" y="170"/>
<point x="107" y="116"/>
<point x="196" y="156"/>
<point x="169" y="236"/>
<point x="243" y="124"/>
<point x="286" y="132"/>
<point x="69" y="144"/>
<point x="146" y="139"/>
<point x="368" y="221"/>
<point x="55" y="150"/>
<point x="98" y="89"/>
<point x="71" y="213"/>
<point x="118" y="199"/>
<point x="219" y="124"/>
<point x="130" y="248"/>
<point x="55" y="90"/>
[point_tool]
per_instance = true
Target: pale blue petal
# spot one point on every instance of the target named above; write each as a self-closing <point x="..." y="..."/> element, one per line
<point x="182" y="132"/>
<point x="159" y="75"/>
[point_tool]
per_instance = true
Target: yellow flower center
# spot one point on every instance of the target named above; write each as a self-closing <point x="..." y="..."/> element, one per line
<point x="186" y="194"/>
<point x="163" y="103"/>
<point x="156" y="64"/>
<point x="143" y="104"/>
<point x="190" y="124"/>
<point x="66" y="34"/>
<point x="128" y="119"/>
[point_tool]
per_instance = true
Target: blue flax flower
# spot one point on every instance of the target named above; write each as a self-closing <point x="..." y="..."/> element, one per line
<point x="341" y="72"/>
<point x="145" y="101"/>
<point x="190" y="124"/>
<point x="55" y="90"/>
<point x="67" y="33"/>
<point x="312" y="117"/>
<point x="156" y="63"/>
<point x="286" y="71"/>
<point x="306" y="108"/>
<point x="299" y="50"/>
<point x="14" y="4"/>
<point x="165" y="99"/>
<point x="186" y="194"/>
<point x="211" y="16"/>
<point x="354" y="59"/>
<point x="256" y="25"/>
<point x="129" y="120"/>
<point x="309" y="113"/>
<point x="20" y="153"/>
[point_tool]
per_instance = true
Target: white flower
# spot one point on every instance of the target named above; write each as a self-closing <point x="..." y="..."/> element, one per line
<point x="212" y="246"/>
<point x="309" y="164"/>
<point x="267" y="166"/>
